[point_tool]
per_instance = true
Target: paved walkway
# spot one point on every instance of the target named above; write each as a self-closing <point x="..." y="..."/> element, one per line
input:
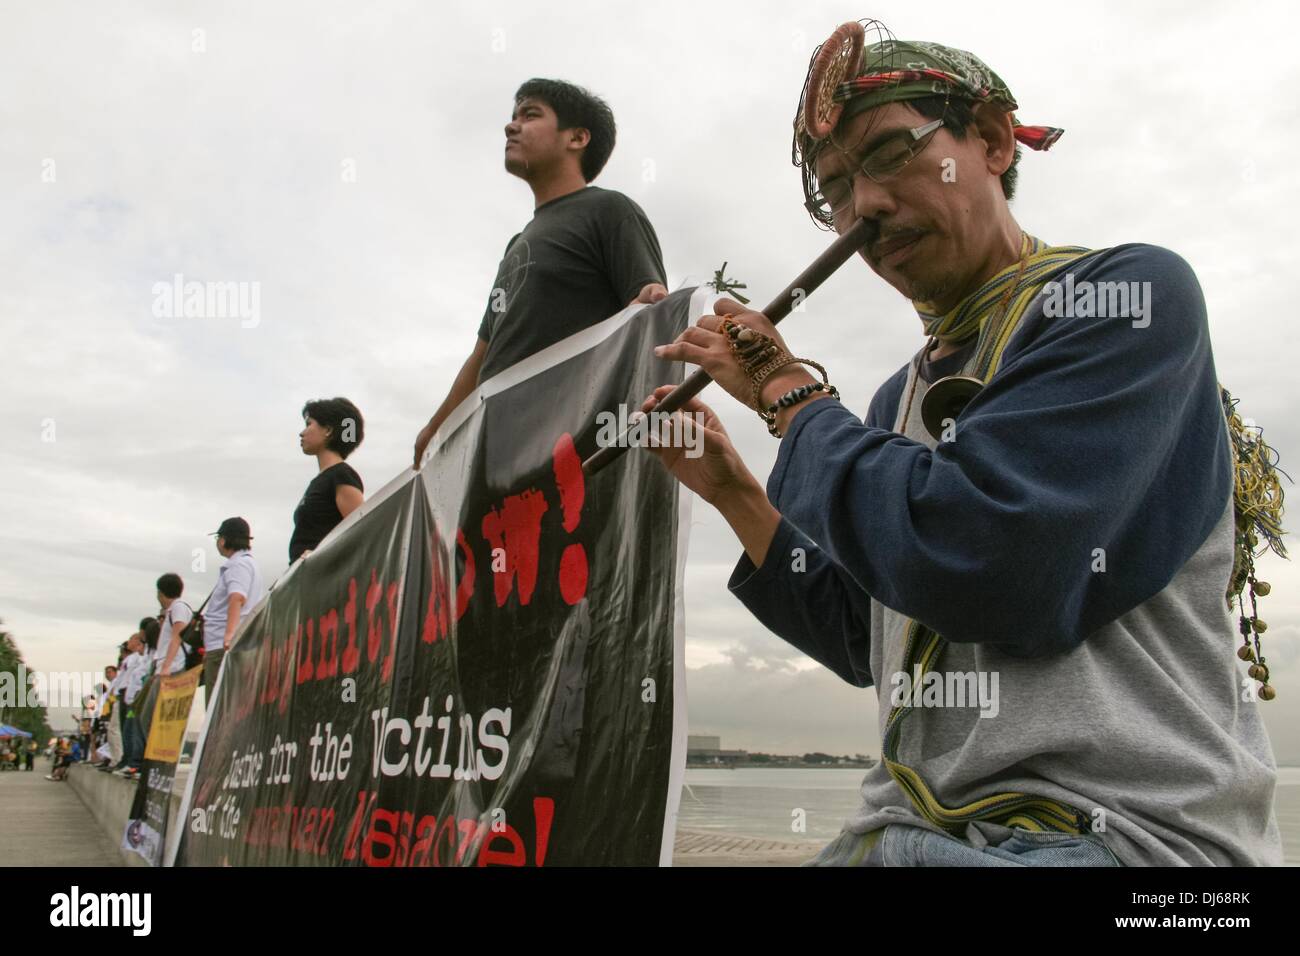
<point x="46" y="824"/>
<point x="704" y="848"/>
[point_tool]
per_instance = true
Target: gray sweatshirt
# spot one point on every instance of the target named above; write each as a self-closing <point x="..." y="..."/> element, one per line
<point x="1110" y="684"/>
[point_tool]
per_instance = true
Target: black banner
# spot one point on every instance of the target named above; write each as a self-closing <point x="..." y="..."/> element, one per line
<point x="164" y="716"/>
<point x="483" y="665"/>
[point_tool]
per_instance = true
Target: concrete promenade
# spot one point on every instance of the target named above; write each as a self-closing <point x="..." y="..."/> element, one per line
<point x="50" y="824"/>
<point x="704" y="848"/>
<point x="46" y="824"/>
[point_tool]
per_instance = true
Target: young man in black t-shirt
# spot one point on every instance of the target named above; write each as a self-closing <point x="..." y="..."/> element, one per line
<point x="587" y="253"/>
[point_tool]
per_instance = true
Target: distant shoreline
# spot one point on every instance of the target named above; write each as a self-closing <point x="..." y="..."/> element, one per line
<point x="830" y="766"/>
<point x="781" y="766"/>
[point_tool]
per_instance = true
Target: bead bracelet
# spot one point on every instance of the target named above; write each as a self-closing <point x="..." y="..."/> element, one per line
<point x="796" y="395"/>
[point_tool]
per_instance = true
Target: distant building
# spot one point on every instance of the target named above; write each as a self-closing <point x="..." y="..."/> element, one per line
<point x="702" y="749"/>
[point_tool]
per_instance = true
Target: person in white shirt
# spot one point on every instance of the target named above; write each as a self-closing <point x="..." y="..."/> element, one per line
<point x="112" y="726"/>
<point x="239" y="589"/>
<point x="132" y="675"/>
<point x="97" y="751"/>
<point x="144" y="665"/>
<point x="169" y="655"/>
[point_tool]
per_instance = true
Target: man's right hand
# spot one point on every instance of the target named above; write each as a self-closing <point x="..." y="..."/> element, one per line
<point x="706" y="462"/>
<point x="701" y="455"/>
<point x="422" y="442"/>
<point x="464" y="385"/>
<point x="650" y="292"/>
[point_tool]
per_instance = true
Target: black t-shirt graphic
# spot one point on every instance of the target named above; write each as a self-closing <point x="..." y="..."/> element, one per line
<point x="318" y="512"/>
<point x="582" y="258"/>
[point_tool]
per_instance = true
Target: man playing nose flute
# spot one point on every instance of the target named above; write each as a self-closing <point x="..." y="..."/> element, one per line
<point x="1070" y="531"/>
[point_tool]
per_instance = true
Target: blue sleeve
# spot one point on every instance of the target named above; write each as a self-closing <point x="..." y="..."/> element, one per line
<point x="821" y="611"/>
<point x="1094" y="434"/>
<point x="801" y="596"/>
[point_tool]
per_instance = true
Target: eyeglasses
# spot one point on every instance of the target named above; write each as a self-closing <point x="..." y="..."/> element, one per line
<point x="884" y="162"/>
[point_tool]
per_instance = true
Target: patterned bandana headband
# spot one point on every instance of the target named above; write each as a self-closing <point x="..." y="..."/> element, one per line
<point x="931" y="69"/>
<point x="847" y="77"/>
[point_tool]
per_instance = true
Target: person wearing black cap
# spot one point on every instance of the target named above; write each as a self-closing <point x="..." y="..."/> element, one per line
<point x="239" y="587"/>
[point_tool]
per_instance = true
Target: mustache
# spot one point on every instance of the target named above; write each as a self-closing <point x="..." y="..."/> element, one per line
<point x="878" y="233"/>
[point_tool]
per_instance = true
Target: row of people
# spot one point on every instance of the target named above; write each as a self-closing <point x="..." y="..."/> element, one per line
<point x="333" y="428"/>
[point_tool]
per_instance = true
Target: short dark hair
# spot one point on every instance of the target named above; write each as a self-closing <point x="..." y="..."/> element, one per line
<point x="957" y="118"/>
<point x="149" y="629"/>
<point x="171" y="585"/>
<point x="576" y="108"/>
<point x="335" y="414"/>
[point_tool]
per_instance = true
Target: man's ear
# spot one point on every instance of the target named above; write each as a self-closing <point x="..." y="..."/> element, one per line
<point x="993" y="126"/>
<point x="579" y="137"/>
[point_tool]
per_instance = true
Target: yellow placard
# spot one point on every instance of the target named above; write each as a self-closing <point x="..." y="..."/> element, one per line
<point x="171" y="714"/>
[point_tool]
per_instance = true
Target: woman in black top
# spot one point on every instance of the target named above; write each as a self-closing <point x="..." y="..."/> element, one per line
<point x="334" y="428"/>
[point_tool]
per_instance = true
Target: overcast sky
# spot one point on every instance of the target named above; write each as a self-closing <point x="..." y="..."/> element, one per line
<point x="347" y="157"/>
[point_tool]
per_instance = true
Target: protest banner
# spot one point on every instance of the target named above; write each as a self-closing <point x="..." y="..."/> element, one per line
<point x="146" y="827"/>
<point x="483" y="664"/>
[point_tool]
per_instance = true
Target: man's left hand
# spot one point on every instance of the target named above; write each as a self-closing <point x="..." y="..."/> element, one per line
<point x="705" y="344"/>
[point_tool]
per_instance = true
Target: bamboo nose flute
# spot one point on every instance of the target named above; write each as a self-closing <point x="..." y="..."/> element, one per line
<point x="838" y="253"/>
